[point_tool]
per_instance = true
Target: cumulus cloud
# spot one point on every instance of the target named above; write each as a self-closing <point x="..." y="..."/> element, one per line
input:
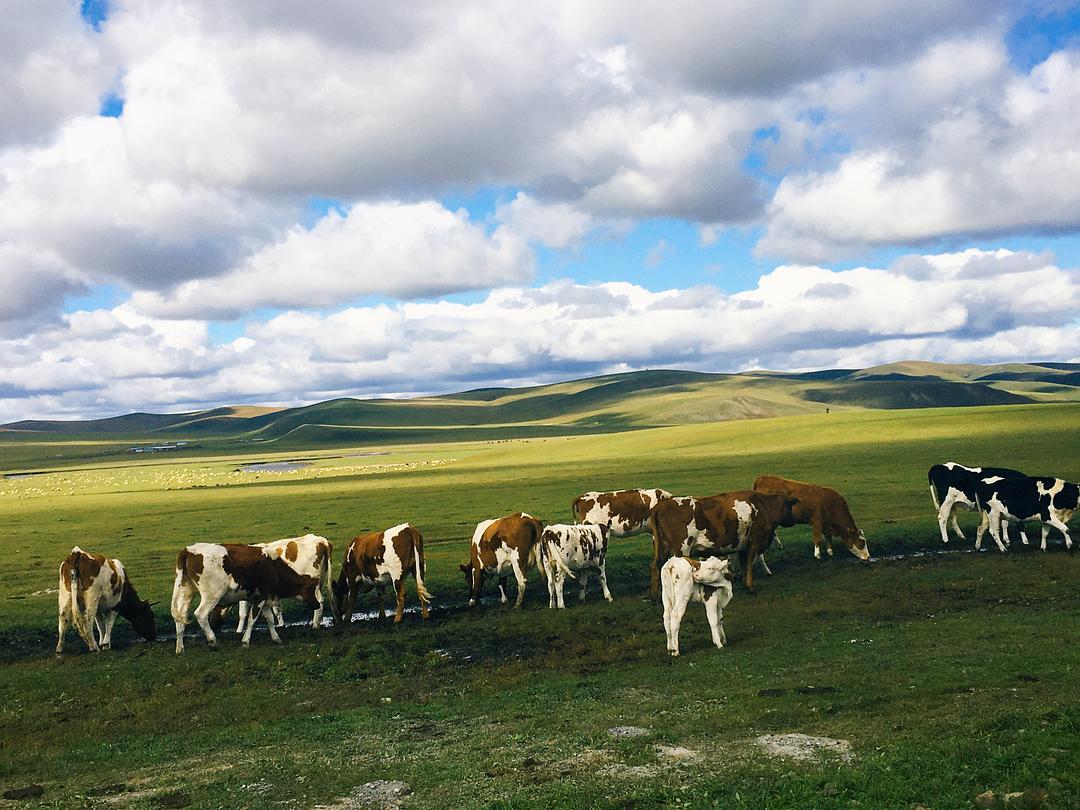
<point x="401" y="250"/>
<point x="53" y="66"/>
<point x="796" y="317"/>
<point x="1002" y="165"/>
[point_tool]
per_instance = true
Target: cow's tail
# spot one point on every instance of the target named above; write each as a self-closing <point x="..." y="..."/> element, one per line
<point x="78" y="605"/>
<point x="418" y="560"/>
<point x="536" y="549"/>
<point x="325" y="567"/>
<point x="180" y="583"/>
<point x="934" y="495"/>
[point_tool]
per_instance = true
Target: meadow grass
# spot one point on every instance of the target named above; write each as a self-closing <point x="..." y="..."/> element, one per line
<point x="950" y="674"/>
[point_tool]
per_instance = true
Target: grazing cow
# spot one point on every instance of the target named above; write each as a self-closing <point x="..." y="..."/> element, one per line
<point x="375" y="560"/>
<point x="570" y="551"/>
<point x="686" y="580"/>
<point x="93" y="589"/>
<point x="742" y="522"/>
<point x="823" y="509"/>
<point x="224" y="574"/>
<point x="310" y="556"/>
<point x="624" y="512"/>
<point x="1051" y="501"/>
<point x="953" y="485"/>
<point x="499" y="547"/>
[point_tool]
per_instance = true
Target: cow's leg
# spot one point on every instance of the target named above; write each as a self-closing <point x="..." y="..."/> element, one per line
<point x="995" y="530"/>
<point x="553" y="600"/>
<point x="91" y="620"/>
<point x="716" y="620"/>
<point x="956" y="525"/>
<point x="654" y="571"/>
<point x="1023" y="534"/>
<point x="503" y="599"/>
<point x="242" y="608"/>
<point x="316" y="618"/>
<point x="1045" y="534"/>
<point x="943" y="515"/>
<point x="1058" y="524"/>
<point x="583" y="576"/>
<point x="279" y="614"/>
<point x="984" y="526"/>
<point x="106" y="639"/>
<point x="748" y="565"/>
<point x="202" y="616"/>
<point x="399" y="586"/>
<point x="182" y="595"/>
<point x="61" y="628"/>
<point x="268" y="613"/>
<point x="765" y="565"/>
<point x="560" y="581"/>
<point x="603" y="581"/>
<point x="674" y="621"/>
<point x="253" y="615"/>
<point x="817" y="539"/>
<point x="519" y="575"/>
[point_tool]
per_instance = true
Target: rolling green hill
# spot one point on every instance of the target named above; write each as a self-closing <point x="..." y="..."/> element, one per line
<point x="626" y="401"/>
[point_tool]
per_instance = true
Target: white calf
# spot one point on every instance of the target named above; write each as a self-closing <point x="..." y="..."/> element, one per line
<point x="308" y="556"/>
<point x="565" y="550"/>
<point x="685" y="580"/>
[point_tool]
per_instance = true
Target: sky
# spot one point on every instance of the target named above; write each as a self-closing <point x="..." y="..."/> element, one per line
<point x="280" y="203"/>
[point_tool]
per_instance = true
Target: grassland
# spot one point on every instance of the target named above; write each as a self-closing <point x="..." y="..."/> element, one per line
<point x="950" y="674"/>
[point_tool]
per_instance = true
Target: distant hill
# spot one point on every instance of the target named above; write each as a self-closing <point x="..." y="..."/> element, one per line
<point x="611" y="402"/>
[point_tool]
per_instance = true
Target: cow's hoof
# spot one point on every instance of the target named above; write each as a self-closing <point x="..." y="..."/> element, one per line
<point x="674" y="653"/>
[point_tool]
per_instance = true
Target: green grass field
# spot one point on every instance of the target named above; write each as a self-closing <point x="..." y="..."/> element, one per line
<point x="950" y="674"/>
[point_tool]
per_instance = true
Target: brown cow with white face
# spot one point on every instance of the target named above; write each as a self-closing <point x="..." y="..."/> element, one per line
<point x="225" y="573"/>
<point x="378" y="559"/>
<point x="624" y="511"/>
<point x="93" y="589"/>
<point x="499" y="547"/>
<point x="741" y="522"/>
<point x="823" y="509"/>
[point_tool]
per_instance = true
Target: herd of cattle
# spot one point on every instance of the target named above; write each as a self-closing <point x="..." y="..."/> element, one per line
<point x="93" y="589"/>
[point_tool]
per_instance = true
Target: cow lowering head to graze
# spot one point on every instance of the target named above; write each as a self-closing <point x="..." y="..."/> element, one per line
<point x="953" y="485"/>
<point x="1051" y="501"/>
<point x="499" y="547"/>
<point x="742" y="523"/>
<point x="223" y="574"/>
<point x="624" y="511"/>
<point x="572" y="551"/>
<point x="686" y="580"/>
<point x="93" y="589"/>
<point x="375" y="560"/>
<point x="823" y="509"/>
<point x="308" y="556"/>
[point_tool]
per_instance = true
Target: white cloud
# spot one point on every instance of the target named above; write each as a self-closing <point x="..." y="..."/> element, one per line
<point x="1020" y="307"/>
<point x="52" y="66"/>
<point x="400" y="250"/>
<point x="1003" y="165"/>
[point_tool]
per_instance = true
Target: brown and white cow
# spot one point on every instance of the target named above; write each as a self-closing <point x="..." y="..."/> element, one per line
<point x="741" y="522"/>
<point x="624" y="511"/>
<point x="93" y="589"/>
<point x="823" y="509"/>
<point x="375" y="560"/>
<point x="685" y="580"/>
<point x="309" y="556"/>
<point x="499" y="547"/>
<point x="570" y="552"/>
<point x="225" y="573"/>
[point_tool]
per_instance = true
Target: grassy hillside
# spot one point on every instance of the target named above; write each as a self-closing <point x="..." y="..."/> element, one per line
<point x="950" y="675"/>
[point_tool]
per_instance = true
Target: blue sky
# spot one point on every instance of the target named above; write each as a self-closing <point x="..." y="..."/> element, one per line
<point x="266" y="206"/>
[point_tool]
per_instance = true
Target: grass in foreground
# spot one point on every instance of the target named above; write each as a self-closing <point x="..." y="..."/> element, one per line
<point x="950" y="674"/>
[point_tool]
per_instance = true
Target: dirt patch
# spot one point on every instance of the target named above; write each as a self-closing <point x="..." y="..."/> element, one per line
<point x="803" y="747"/>
<point x="676" y="753"/>
<point x="382" y="793"/>
<point x="621" y="732"/>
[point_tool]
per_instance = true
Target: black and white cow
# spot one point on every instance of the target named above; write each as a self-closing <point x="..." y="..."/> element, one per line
<point x="1051" y="501"/>
<point x="953" y="485"/>
<point x="569" y="552"/>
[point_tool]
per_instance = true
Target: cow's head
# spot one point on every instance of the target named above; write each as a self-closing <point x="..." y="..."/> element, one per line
<point x="856" y="543"/>
<point x="787" y="515"/>
<point x="339" y="596"/>
<point x="474" y="580"/>
<point x="141" y="617"/>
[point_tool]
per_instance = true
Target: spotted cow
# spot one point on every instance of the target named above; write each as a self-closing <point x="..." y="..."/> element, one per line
<point x="1051" y="501"/>
<point x="93" y="589"/>
<point x="309" y="556"/>
<point x="223" y="574"/>
<point x="500" y="547"/>
<point x="742" y="522"/>
<point x="375" y="560"/>
<point x="686" y="580"/>
<point x="624" y="511"/>
<point x="953" y="485"/>
<point x="823" y="509"/>
<point x="570" y="552"/>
